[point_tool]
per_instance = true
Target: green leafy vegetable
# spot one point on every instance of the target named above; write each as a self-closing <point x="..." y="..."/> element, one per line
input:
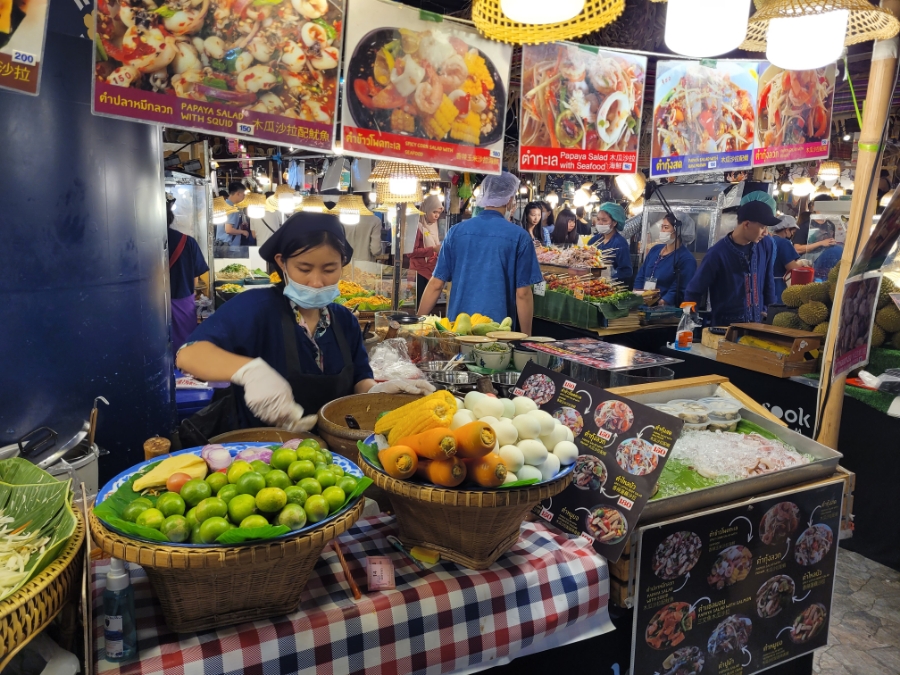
<point x="370" y="452"/>
<point x="165" y="12"/>
<point x="101" y="52"/>
<point x="329" y="29"/>
<point x="215" y="82"/>
<point x="518" y="483"/>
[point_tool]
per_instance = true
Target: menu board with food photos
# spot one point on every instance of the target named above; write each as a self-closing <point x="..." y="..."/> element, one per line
<point x="622" y="446"/>
<point x="739" y="589"/>
<point x="23" y="27"/>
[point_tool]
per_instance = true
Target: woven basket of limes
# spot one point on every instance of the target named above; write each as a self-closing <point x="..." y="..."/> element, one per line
<point x="229" y="532"/>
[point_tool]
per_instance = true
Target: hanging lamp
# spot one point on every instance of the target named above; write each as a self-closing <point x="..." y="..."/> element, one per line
<point x="803" y="186"/>
<point x="808" y="34"/>
<point x="221" y="210"/>
<point x="539" y="21"/>
<point x="631" y="185"/>
<point x="829" y="170"/>
<point x="349" y="208"/>
<point x="722" y="23"/>
<point x="313" y="204"/>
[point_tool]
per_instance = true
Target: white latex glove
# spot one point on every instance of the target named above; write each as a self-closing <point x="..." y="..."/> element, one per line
<point x="420" y="387"/>
<point x="270" y="398"/>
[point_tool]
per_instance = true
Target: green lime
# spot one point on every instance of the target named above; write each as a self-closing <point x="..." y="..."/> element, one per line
<point x="211" y="529"/>
<point x="238" y="469"/>
<point x="311" y="486"/>
<point x="240" y="507"/>
<point x="136" y="508"/>
<point x="348" y="484"/>
<point x="250" y="483"/>
<point x="212" y="507"/>
<point x="195" y="535"/>
<point x="282" y="458"/>
<point x="329" y="458"/>
<point x="191" y="517"/>
<point x="260" y="466"/>
<point x="310" y="443"/>
<point x="176" y="528"/>
<point x="336" y="469"/>
<point x="301" y="469"/>
<point x="295" y="495"/>
<point x="293" y="516"/>
<point x="305" y="453"/>
<point x="227" y="493"/>
<point x="326" y="478"/>
<point x="171" y="504"/>
<point x="271" y="500"/>
<point x="316" y="508"/>
<point x="278" y="478"/>
<point x="322" y="466"/>
<point x="321" y="458"/>
<point x="231" y="526"/>
<point x="335" y="498"/>
<point x="217" y="481"/>
<point x="151" y="518"/>
<point x="195" y="491"/>
<point x="255" y="520"/>
<point x="145" y="501"/>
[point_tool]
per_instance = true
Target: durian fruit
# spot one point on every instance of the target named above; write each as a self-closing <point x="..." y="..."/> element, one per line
<point x="833" y="274"/>
<point x="789" y="320"/>
<point x="832" y="287"/>
<point x="888" y="318"/>
<point x="884" y="297"/>
<point x="822" y="328"/>
<point x="878" y="336"/>
<point x="813" y="313"/>
<point x="791" y="296"/>
<point x="814" y="292"/>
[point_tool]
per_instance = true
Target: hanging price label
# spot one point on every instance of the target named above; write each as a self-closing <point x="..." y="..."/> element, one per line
<point x="540" y="289"/>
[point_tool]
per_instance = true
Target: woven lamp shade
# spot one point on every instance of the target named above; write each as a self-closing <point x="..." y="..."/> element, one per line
<point x="385" y="196"/>
<point x="866" y="21"/>
<point x="312" y="203"/>
<point x="829" y="170"/>
<point x="282" y="189"/>
<point x="254" y="199"/>
<point x="411" y="210"/>
<point x="350" y="203"/>
<point x="383" y="171"/>
<point x="220" y="206"/>
<point x="494" y="24"/>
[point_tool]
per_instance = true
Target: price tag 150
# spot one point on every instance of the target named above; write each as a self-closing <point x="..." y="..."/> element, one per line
<point x="546" y="515"/>
<point x="24" y="58"/>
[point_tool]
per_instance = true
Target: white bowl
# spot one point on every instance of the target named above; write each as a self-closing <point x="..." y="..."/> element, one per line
<point x="492" y="360"/>
<point x="520" y="358"/>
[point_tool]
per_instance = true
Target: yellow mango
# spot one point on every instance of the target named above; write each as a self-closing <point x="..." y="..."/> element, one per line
<point x="192" y="465"/>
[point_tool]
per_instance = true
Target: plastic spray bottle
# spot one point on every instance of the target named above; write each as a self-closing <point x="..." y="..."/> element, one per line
<point x="118" y="605"/>
<point x="684" y="336"/>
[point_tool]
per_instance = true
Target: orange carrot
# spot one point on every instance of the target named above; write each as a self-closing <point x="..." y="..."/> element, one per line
<point x="447" y="473"/>
<point x="439" y="444"/>
<point x="475" y="439"/>
<point x="488" y="471"/>
<point x="398" y="461"/>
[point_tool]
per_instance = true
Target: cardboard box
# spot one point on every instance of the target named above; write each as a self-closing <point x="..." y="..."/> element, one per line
<point x="797" y="344"/>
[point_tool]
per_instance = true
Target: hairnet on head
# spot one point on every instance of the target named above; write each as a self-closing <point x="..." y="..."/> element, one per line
<point x="432" y="203"/>
<point x="498" y="190"/>
<point x="688" y="229"/>
<point x="297" y="232"/>
<point x="787" y="222"/>
<point x="760" y="196"/>
<point x="616" y="212"/>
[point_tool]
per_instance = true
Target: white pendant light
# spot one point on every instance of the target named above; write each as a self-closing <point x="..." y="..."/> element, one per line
<point x="787" y="186"/>
<point x="349" y="217"/>
<point x="541" y="11"/>
<point x="284" y="199"/>
<point x="631" y="185"/>
<point x="803" y="186"/>
<point x="702" y="28"/>
<point x="837" y="191"/>
<point x="552" y="199"/>
<point x="807" y="42"/>
<point x="403" y="186"/>
<point x="219" y="218"/>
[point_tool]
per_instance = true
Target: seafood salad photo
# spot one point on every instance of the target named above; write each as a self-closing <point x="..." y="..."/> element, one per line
<point x="814" y="544"/>
<point x="429" y="84"/>
<point x="684" y="661"/>
<point x="272" y="56"/>
<point x="703" y="109"/>
<point x="778" y="523"/>
<point x="636" y="456"/>
<point x="539" y="388"/>
<point x="732" y="635"/>
<point x="773" y="595"/>
<point x="614" y="416"/>
<point x="794" y="106"/>
<point x="574" y="97"/>
<point x="607" y="525"/>
<point x="808" y="624"/>
<point x="668" y="626"/>
<point x="590" y="473"/>
<point x="570" y="418"/>
<point x="732" y="565"/>
<point x="677" y="555"/>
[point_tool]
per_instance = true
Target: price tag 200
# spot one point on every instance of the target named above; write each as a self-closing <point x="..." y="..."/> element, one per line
<point x="540" y="289"/>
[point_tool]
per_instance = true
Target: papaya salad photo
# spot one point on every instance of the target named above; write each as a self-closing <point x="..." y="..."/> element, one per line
<point x="794" y="106"/>
<point x="272" y="56"/>
<point x="580" y="98"/>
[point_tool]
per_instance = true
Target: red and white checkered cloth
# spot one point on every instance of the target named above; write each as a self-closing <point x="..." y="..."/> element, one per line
<point x="444" y="620"/>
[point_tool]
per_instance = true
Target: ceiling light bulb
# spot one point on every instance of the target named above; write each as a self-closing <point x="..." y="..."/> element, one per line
<point x="403" y="186"/>
<point x="847" y="137"/>
<point x="286" y="203"/>
<point x="219" y="218"/>
<point x="631" y="185"/>
<point x="829" y="170"/>
<point x="552" y="199"/>
<point x="540" y="11"/>
<point x="803" y="186"/>
<point x="807" y="42"/>
<point x="256" y="211"/>
<point x="373" y="197"/>
<point x="349" y="216"/>
<point x="581" y="199"/>
<point x="787" y="186"/>
<point x="837" y="191"/>
<point x="314" y="209"/>
<point x="523" y="190"/>
<point x="722" y="23"/>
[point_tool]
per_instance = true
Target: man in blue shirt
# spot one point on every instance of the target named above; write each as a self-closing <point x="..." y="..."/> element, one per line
<point x="786" y="256"/>
<point x="491" y="261"/>
<point x="737" y="271"/>
<point x="229" y="233"/>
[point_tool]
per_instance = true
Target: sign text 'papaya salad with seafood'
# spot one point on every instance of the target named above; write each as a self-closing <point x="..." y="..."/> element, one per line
<point x="424" y="90"/>
<point x="263" y="69"/>
<point x="581" y="109"/>
<point x="704" y="117"/>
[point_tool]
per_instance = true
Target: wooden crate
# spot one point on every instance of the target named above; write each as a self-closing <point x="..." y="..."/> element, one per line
<point x="799" y="342"/>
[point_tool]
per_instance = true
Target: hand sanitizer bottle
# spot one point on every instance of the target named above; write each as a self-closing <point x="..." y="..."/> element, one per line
<point x="118" y="605"/>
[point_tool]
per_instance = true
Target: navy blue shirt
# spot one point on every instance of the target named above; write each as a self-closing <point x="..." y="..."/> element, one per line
<point x="784" y="253"/>
<point x="189" y="266"/>
<point x="622" y="268"/>
<point x="487" y="258"/>
<point x="739" y="280"/>
<point x="827" y="259"/>
<point x="672" y="273"/>
<point x="250" y="325"/>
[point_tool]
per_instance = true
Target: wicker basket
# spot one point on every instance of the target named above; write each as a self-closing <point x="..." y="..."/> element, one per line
<point x="264" y="435"/>
<point x="205" y="588"/>
<point x="471" y="528"/>
<point x="29" y="610"/>
<point x="365" y="408"/>
<point x="491" y="22"/>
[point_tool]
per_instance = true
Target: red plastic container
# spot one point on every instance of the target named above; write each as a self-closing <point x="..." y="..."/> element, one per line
<point x="802" y="275"/>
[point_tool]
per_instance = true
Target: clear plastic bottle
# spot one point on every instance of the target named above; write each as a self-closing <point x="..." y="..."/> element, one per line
<point x="118" y="605"/>
<point x="684" y="336"/>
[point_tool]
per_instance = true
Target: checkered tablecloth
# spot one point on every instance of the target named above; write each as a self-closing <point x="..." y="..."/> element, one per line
<point x="449" y="619"/>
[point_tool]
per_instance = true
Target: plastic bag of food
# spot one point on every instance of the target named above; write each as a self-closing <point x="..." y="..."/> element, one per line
<point x="390" y="361"/>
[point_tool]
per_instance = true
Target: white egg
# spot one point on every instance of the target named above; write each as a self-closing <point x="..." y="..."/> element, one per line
<point x="512" y="457"/>
<point x="507" y="434"/>
<point x="489" y="419"/>
<point x="527" y="426"/>
<point x="472" y="398"/>
<point x="550" y="467"/>
<point x="509" y="408"/>
<point x="528" y="472"/>
<point x="510" y="477"/>
<point x="556" y="436"/>
<point x="523" y="404"/>
<point x="461" y="418"/>
<point x="569" y="435"/>
<point x="460" y="403"/>
<point x="534" y="452"/>
<point x="546" y="420"/>
<point x="488" y="407"/>
<point x="566" y="451"/>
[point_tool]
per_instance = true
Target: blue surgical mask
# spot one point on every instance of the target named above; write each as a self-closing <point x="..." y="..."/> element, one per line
<point x="308" y="297"/>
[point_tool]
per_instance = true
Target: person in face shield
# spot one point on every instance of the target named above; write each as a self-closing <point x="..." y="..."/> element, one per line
<point x="669" y="266"/>
<point x="490" y="261"/>
<point x="608" y="220"/>
<point x="289" y="349"/>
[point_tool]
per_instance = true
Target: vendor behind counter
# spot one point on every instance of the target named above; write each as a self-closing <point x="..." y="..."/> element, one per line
<point x="669" y="266"/>
<point x="608" y="220"/>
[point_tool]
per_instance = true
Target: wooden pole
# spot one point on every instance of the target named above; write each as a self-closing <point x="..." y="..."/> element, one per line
<point x="882" y="75"/>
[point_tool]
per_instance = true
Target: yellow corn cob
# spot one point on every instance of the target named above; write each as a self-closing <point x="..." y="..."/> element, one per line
<point x="751" y="341"/>
<point x="438" y="414"/>
<point x="467" y="129"/>
<point x="434" y="405"/>
<point x="478" y="69"/>
<point x="439" y="124"/>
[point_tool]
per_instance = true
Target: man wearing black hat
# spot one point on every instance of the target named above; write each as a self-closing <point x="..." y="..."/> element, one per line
<point x="737" y="272"/>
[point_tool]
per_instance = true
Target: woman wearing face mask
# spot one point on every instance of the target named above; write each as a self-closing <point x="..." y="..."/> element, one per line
<point x="668" y="267"/>
<point x="607" y="221"/>
<point x="289" y="349"/>
<point x="786" y="256"/>
<point x="565" y="231"/>
<point x="427" y="245"/>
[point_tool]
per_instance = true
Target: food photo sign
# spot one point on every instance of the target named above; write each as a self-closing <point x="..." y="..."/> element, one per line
<point x="704" y="117"/>
<point x="422" y="89"/>
<point x="739" y="589"/>
<point x="793" y="122"/>
<point x="580" y="109"/>
<point x="623" y="447"/>
<point x="263" y="69"/>
<point x="23" y="26"/>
